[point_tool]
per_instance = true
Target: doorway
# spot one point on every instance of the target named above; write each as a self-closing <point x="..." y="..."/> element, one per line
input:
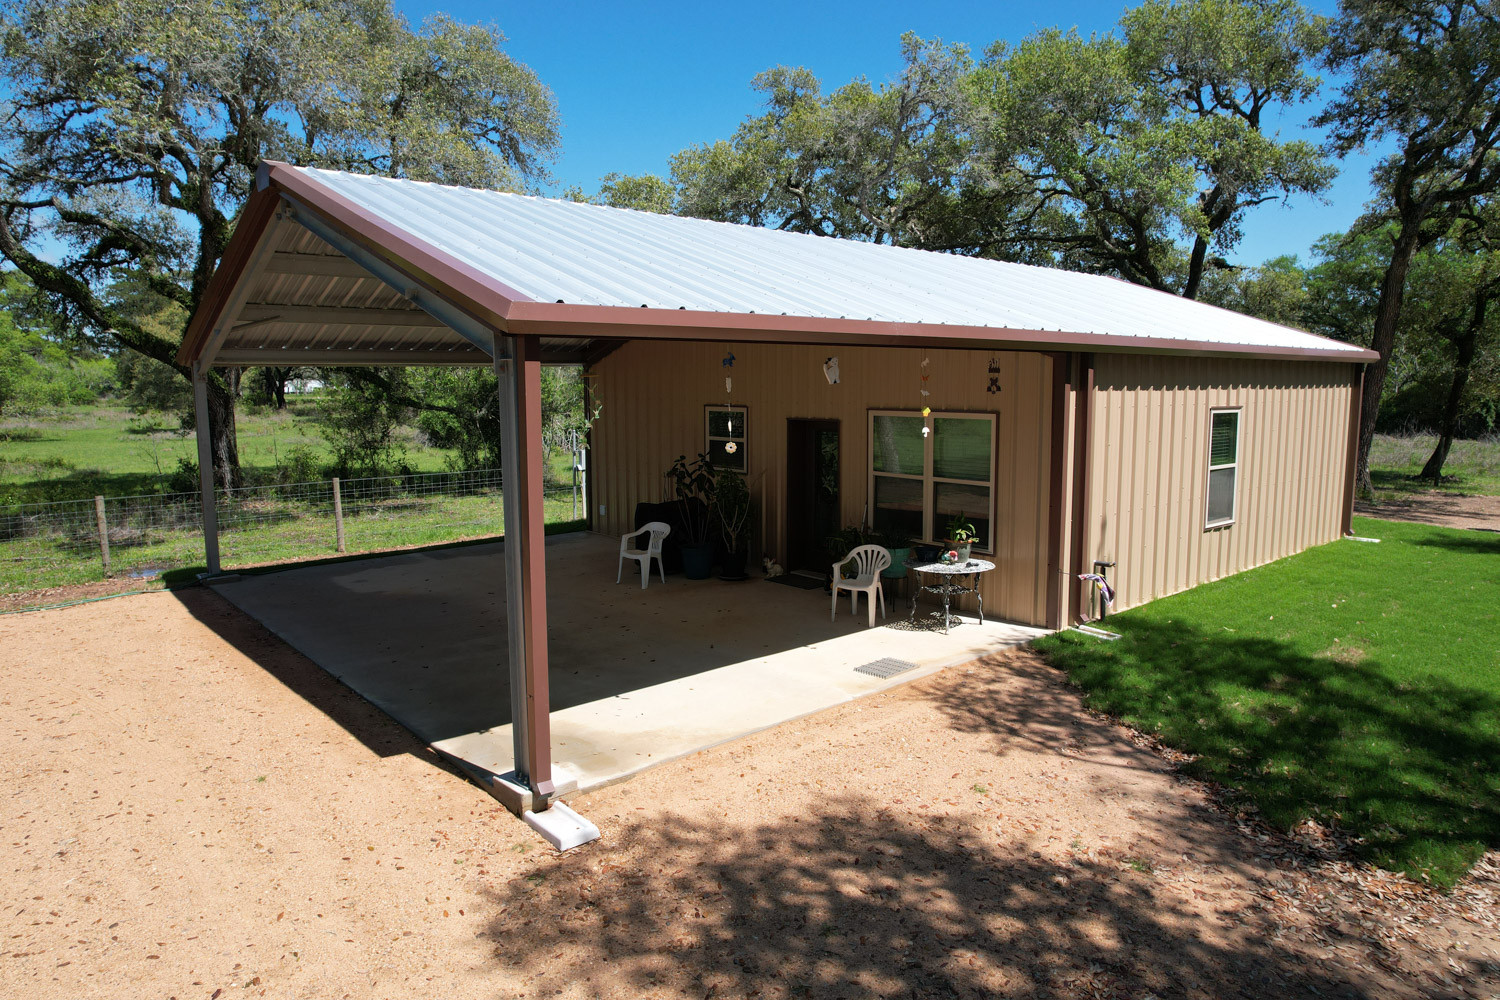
<point x="812" y="493"/>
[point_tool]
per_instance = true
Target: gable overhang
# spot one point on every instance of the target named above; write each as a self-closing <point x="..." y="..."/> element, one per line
<point x="311" y="277"/>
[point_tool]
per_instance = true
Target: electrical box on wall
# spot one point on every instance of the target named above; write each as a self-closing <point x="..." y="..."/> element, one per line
<point x="603" y="510"/>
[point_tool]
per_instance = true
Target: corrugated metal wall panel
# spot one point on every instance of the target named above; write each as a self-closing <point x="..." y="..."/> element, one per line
<point x="1149" y="466"/>
<point x="653" y="395"/>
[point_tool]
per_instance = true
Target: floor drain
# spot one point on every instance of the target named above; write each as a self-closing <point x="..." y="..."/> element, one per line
<point x="887" y="667"/>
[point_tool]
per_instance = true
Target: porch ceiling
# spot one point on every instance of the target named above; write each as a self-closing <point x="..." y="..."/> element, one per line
<point x="307" y="303"/>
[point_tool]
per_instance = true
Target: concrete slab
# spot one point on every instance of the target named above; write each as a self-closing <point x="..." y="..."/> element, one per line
<point x="638" y="676"/>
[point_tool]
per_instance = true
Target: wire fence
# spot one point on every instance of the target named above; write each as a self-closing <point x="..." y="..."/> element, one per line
<point x="139" y="538"/>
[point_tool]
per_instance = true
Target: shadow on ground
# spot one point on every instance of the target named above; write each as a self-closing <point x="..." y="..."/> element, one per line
<point x="377" y="731"/>
<point x="838" y="905"/>
<point x="1404" y="764"/>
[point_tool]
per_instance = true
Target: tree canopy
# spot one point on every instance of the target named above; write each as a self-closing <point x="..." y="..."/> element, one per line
<point x="133" y="129"/>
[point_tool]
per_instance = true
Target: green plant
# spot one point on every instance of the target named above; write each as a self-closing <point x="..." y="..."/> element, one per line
<point x="693" y="484"/>
<point x="960" y="530"/>
<point x="892" y="537"/>
<point x="733" y="506"/>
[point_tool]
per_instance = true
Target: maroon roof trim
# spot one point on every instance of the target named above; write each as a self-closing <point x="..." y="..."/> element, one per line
<point x="618" y="322"/>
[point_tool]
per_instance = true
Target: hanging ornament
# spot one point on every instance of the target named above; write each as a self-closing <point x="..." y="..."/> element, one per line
<point x="926" y="410"/>
<point x="994" y="385"/>
<point x="728" y="362"/>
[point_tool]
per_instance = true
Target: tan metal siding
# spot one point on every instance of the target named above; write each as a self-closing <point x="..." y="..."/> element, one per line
<point x="653" y="394"/>
<point x="1149" y="466"/>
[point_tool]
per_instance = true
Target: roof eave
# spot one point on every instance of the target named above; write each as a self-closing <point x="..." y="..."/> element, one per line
<point x="623" y="323"/>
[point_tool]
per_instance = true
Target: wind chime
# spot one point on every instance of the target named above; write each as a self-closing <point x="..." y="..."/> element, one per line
<point x="926" y="410"/>
<point x="730" y="447"/>
<point x="994" y="385"/>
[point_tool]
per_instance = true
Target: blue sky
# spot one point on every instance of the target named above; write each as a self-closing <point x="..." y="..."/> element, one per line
<point x="635" y="83"/>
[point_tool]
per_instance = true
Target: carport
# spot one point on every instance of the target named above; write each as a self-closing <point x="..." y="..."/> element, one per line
<point x="1082" y="420"/>
<point x="314" y="276"/>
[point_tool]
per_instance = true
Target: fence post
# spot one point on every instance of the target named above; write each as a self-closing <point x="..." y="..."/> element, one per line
<point x="103" y="531"/>
<point x="338" y="514"/>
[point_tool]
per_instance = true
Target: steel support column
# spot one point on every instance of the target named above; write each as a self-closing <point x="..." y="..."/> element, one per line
<point x="206" y="468"/>
<point x="518" y="368"/>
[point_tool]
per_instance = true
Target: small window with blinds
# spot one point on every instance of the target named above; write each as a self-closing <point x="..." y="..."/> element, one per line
<point x="1223" y="467"/>
<point x="927" y="471"/>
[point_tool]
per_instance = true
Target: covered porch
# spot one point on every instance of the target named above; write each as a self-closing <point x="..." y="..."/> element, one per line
<point x="637" y="677"/>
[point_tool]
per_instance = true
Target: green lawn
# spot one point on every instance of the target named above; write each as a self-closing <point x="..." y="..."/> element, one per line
<point x="106" y="450"/>
<point x="66" y="459"/>
<point x="1473" y="466"/>
<point x="1354" y="684"/>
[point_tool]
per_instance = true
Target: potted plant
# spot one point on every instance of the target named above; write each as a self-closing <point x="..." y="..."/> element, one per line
<point x="961" y="535"/>
<point x="899" y="546"/>
<point x="733" y="508"/>
<point x="693" y="485"/>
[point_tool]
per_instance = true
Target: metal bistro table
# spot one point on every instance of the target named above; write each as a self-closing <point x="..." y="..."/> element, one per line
<point x="950" y="584"/>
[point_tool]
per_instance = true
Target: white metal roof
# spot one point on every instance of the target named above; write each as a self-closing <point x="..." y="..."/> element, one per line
<point x="551" y="250"/>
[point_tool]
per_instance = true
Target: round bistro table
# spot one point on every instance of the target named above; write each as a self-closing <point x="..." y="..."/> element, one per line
<point x="950" y="583"/>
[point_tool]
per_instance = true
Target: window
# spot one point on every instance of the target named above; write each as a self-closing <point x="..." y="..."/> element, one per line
<point x="919" y="483"/>
<point x="1223" y="466"/>
<point x="724" y="427"/>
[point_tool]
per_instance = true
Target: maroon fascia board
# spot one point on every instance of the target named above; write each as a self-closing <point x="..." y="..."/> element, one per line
<point x="512" y="312"/>
<point x="623" y="323"/>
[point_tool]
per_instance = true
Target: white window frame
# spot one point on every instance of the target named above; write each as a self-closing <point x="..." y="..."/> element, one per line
<point x="1234" y="496"/>
<point x="929" y="528"/>
<point x="740" y="439"/>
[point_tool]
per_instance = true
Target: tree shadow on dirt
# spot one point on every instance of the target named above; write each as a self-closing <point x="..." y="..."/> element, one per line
<point x="835" y="905"/>
<point x="1401" y="763"/>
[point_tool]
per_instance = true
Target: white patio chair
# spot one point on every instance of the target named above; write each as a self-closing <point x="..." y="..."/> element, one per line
<point x="868" y="561"/>
<point x="657" y="530"/>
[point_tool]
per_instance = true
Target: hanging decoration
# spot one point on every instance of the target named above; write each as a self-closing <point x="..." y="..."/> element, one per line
<point x="926" y="410"/>
<point x="994" y="385"/>
<point x="730" y="447"/>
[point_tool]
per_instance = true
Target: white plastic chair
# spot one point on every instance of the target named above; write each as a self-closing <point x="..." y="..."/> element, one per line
<point x="657" y="530"/>
<point x="868" y="562"/>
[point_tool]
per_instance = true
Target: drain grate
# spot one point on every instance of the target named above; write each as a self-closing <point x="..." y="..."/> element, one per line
<point x="886" y="667"/>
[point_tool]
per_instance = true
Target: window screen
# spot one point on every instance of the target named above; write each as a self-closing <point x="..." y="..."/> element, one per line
<point x="725" y="434"/>
<point x="1223" y="466"/>
<point x="920" y="482"/>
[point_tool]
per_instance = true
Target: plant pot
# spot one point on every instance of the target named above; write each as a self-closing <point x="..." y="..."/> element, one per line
<point x="962" y="548"/>
<point x="897" y="569"/>
<point x="698" y="561"/>
<point x="732" y="566"/>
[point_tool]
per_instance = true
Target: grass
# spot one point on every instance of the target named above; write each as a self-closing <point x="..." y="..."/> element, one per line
<point x="106" y="450"/>
<point x="1473" y="466"/>
<point x="1353" y="684"/>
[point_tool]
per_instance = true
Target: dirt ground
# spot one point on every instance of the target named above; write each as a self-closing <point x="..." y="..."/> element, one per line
<point x="1446" y="510"/>
<point x="193" y="810"/>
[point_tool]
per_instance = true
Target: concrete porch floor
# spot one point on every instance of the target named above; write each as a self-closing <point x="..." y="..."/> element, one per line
<point x="638" y="677"/>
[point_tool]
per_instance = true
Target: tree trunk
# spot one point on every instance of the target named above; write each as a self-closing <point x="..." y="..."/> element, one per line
<point x="1467" y="347"/>
<point x="1195" y="268"/>
<point x="281" y="381"/>
<point x="222" y="439"/>
<point x="1387" y="316"/>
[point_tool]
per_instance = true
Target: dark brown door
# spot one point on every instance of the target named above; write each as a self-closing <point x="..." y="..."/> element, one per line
<point x="812" y="492"/>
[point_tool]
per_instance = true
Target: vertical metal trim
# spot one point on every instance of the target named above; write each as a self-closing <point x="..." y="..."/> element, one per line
<point x="1057" y="504"/>
<point x="1356" y="406"/>
<point x="205" y="469"/>
<point x="1082" y="481"/>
